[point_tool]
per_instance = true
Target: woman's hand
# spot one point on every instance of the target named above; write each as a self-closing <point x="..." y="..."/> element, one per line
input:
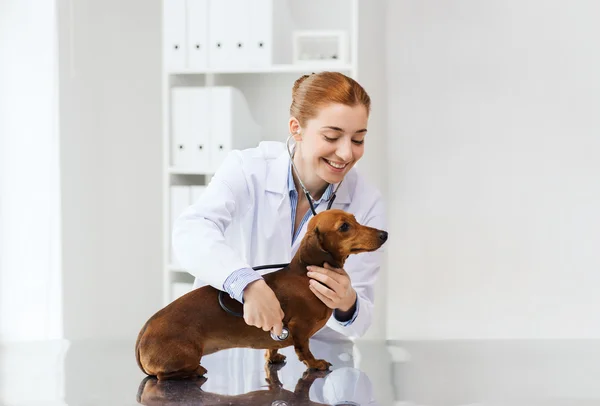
<point x="339" y="293"/>
<point x="261" y="307"/>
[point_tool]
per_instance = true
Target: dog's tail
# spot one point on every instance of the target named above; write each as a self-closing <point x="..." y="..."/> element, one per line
<point x="137" y="347"/>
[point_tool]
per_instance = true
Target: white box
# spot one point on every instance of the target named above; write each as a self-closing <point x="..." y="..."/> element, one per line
<point x="320" y="46"/>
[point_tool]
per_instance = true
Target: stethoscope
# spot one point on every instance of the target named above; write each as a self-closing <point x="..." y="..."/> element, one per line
<point x="284" y="332"/>
<point x="308" y="196"/>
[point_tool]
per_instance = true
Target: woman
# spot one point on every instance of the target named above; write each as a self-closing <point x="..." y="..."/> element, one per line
<point x="254" y="211"/>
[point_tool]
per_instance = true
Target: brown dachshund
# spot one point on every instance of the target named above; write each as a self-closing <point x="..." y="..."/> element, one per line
<point x="173" y="341"/>
<point x="153" y="392"/>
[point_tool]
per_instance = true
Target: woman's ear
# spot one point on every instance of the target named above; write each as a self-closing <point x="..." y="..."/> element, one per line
<point x="295" y="129"/>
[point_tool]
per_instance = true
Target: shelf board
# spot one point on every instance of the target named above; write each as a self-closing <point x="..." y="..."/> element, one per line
<point x="174" y="268"/>
<point x="297" y="68"/>
<point x="186" y="171"/>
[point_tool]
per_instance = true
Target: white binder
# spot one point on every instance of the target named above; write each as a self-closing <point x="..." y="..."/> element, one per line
<point x="180" y="200"/>
<point x="239" y="32"/>
<point x="197" y="29"/>
<point x="231" y="124"/>
<point x="174" y="37"/>
<point x="260" y="47"/>
<point x="196" y="192"/>
<point x="200" y="129"/>
<point x="228" y="34"/>
<point x="182" y="154"/>
<point x="220" y="46"/>
<point x="207" y="123"/>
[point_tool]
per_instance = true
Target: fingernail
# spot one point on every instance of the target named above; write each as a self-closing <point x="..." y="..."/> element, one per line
<point x="310" y="274"/>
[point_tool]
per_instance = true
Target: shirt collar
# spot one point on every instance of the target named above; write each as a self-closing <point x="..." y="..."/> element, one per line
<point x="292" y="187"/>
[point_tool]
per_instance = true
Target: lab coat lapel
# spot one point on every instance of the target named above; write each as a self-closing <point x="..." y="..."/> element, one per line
<point x="278" y="197"/>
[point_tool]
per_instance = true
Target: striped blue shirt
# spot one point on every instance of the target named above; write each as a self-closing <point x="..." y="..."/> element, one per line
<point x="239" y="279"/>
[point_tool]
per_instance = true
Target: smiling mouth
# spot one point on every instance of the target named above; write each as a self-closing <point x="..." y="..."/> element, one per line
<point x="335" y="165"/>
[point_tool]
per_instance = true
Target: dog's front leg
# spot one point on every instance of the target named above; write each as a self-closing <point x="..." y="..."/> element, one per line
<point x="273" y="357"/>
<point x="300" y="336"/>
<point x="302" y="388"/>
<point x="272" y="377"/>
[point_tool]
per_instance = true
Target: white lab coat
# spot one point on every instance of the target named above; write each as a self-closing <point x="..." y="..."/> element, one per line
<point x="243" y="219"/>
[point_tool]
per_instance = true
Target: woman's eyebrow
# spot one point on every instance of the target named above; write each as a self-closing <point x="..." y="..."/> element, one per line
<point x="341" y="130"/>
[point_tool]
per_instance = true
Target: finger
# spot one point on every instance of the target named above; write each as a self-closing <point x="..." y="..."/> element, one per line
<point x="323" y="299"/>
<point x="334" y="285"/>
<point x="339" y="271"/>
<point x="250" y="321"/>
<point x="277" y="328"/>
<point x="324" y="290"/>
<point x="322" y="271"/>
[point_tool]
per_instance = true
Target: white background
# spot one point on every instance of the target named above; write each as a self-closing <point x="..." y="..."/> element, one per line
<point x="491" y="173"/>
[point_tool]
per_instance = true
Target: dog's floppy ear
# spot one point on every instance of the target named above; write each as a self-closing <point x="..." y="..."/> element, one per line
<point x="312" y="250"/>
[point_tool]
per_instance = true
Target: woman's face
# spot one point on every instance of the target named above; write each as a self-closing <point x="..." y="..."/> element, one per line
<point x="332" y="142"/>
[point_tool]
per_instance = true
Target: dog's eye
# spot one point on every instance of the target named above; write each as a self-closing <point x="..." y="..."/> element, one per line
<point x="344" y="227"/>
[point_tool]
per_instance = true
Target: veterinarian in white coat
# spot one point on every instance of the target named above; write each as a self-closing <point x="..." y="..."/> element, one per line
<point x="253" y="211"/>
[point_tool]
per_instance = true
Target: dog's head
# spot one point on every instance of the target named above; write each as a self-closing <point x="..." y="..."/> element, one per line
<point x="333" y="235"/>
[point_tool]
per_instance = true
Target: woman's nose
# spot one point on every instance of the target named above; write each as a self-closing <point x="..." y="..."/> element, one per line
<point x="344" y="150"/>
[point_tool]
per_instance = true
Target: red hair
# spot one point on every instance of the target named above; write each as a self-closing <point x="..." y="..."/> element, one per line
<point x="312" y="92"/>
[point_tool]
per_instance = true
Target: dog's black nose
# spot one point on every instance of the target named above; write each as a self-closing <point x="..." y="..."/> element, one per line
<point x="383" y="236"/>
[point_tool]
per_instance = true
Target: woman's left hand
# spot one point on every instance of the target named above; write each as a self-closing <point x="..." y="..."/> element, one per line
<point x="339" y="293"/>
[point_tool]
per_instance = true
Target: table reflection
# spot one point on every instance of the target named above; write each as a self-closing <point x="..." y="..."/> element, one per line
<point x="242" y="377"/>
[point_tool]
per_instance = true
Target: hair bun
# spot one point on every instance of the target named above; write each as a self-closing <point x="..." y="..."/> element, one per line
<point x="297" y="84"/>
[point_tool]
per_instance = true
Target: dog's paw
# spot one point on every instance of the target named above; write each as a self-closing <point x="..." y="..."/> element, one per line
<point x="311" y="374"/>
<point x="319" y="365"/>
<point x="276" y="359"/>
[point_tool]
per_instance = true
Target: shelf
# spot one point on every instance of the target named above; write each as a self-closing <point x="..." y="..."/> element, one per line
<point x="187" y="171"/>
<point x="173" y="268"/>
<point x="298" y="68"/>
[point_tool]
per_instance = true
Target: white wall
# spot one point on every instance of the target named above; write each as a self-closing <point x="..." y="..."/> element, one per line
<point x="110" y="165"/>
<point x="372" y="76"/>
<point x="30" y="288"/>
<point x="493" y="175"/>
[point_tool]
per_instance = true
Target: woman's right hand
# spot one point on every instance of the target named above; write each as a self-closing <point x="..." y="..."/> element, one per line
<point x="261" y="307"/>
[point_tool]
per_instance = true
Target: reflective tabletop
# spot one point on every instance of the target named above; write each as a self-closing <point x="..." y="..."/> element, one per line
<point x="435" y="373"/>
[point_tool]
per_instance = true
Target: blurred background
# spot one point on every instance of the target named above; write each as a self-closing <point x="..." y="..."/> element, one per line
<point x="484" y="139"/>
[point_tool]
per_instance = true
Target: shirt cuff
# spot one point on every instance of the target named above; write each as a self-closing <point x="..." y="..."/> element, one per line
<point x="348" y="322"/>
<point x="237" y="282"/>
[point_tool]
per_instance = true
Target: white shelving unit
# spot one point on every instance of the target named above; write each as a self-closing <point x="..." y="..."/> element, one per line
<point x="207" y="44"/>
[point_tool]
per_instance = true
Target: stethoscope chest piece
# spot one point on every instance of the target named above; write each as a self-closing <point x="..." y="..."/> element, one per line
<point x="284" y="334"/>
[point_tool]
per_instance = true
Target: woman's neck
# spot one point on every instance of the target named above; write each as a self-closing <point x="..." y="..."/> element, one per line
<point x="315" y="185"/>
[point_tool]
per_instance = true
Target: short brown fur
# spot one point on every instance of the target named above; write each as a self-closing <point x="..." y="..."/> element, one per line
<point x="172" y="342"/>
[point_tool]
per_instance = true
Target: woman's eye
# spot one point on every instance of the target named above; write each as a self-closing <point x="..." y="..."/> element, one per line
<point x="358" y="142"/>
<point x="329" y="138"/>
<point x="344" y="227"/>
